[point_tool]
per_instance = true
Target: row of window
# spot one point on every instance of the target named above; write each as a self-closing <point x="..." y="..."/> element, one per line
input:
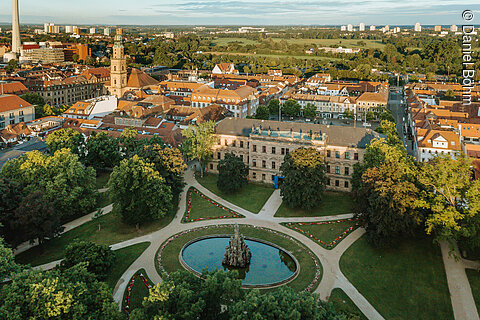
<point x="336" y="183"/>
<point x="346" y="155"/>
<point x="346" y="170"/>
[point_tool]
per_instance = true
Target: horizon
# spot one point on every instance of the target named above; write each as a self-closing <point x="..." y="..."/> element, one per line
<point x="235" y="13"/>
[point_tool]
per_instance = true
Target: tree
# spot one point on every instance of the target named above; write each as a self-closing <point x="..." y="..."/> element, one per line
<point x="7" y="262"/>
<point x="102" y="151"/>
<point x="138" y="192"/>
<point x="262" y="113"/>
<point x="62" y="178"/>
<point x="232" y="173"/>
<point x="35" y="219"/>
<point x="33" y="98"/>
<point x="310" y="111"/>
<point x="273" y="106"/>
<point x="451" y="197"/>
<point x="11" y="66"/>
<point x="304" y="183"/>
<point x="199" y="142"/>
<point x="99" y="258"/>
<point x="291" y="108"/>
<point x="10" y="198"/>
<point x="66" y="138"/>
<point x="168" y="162"/>
<point x="389" y="128"/>
<point x="68" y="294"/>
<point x="347" y="114"/>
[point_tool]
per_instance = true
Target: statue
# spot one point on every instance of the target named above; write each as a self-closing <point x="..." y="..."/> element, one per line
<point x="238" y="254"/>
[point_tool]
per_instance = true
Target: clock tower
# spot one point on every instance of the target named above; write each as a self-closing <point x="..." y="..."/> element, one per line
<point x="118" y="69"/>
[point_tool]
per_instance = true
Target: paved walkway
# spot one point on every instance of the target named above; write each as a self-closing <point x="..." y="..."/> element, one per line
<point x="332" y="277"/>
<point x="460" y="292"/>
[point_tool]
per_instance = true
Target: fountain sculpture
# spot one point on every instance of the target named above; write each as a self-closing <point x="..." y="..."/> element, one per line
<point x="238" y="254"/>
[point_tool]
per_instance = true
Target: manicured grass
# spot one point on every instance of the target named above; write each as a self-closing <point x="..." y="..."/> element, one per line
<point x="202" y="208"/>
<point x="112" y="230"/>
<point x="345" y="43"/>
<point x="344" y="304"/>
<point x="474" y="279"/>
<point x="406" y="282"/>
<point x="333" y="203"/>
<point x="138" y="293"/>
<point x="265" y="55"/>
<point x="307" y="265"/>
<point x="123" y="259"/>
<point x="226" y="41"/>
<point x="102" y="179"/>
<point x="251" y="197"/>
<point x="326" y="233"/>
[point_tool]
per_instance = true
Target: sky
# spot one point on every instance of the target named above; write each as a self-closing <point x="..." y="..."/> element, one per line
<point x="237" y="12"/>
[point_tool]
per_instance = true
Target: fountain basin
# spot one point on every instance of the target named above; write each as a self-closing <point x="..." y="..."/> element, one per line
<point x="270" y="265"/>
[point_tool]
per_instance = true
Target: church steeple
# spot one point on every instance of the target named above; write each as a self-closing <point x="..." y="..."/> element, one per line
<point x="118" y="69"/>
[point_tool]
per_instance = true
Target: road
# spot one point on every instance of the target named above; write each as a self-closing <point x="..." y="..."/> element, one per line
<point x="18" y="150"/>
<point x="396" y="103"/>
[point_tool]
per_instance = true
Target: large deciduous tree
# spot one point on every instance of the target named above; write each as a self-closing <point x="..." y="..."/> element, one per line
<point x="66" y="138"/>
<point x="138" y="191"/>
<point x="199" y="142"/>
<point x="168" y="162"/>
<point x="232" y="173"/>
<point x="291" y="108"/>
<point x="7" y="262"/>
<point x="99" y="258"/>
<point x="304" y="183"/>
<point x="262" y="113"/>
<point x="102" y="151"/>
<point x="310" y="111"/>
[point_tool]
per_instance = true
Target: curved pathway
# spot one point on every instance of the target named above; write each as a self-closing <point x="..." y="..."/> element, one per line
<point x="332" y="277"/>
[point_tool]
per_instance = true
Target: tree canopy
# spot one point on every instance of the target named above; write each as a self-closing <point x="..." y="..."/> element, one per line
<point x="199" y="142"/>
<point x="66" y="138"/>
<point x="232" y="173"/>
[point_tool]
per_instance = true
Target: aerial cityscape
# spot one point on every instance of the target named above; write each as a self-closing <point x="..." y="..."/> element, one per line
<point x="204" y="159"/>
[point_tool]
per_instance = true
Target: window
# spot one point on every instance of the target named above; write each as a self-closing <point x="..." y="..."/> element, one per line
<point x="337" y="170"/>
<point x="264" y="149"/>
<point x="337" y="183"/>
<point x="282" y="151"/>
<point x="211" y="166"/>
<point x="287" y="151"/>
<point x="337" y="154"/>
<point x="347" y="171"/>
<point x="328" y="182"/>
<point x="241" y="144"/>
<point x="254" y="175"/>
<point x="234" y="144"/>
<point x="347" y="155"/>
<point x="328" y="168"/>
<point x="12" y="115"/>
<point x="264" y="164"/>
<point x="273" y="164"/>
<point x="328" y="153"/>
<point x="355" y="156"/>
<point x="219" y="155"/>
<point x="263" y="176"/>
<point x="346" y="184"/>
<point x="273" y="150"/>
<point x="21" y="114"/>
<point x="254" y="162"/>
<point x="254" y="148"/>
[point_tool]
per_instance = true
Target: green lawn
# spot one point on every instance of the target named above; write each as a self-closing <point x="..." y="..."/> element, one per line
<point x="307" y="265"/>
<point x="344" y="304"/>
<point x="123" y="259"/>
<point x="333" y="203"/>
<point x="138" y="293"/>
<point x="345" y="43"/>
<point x="474" y="279"/>
<point x="202" y="208"/>
<point x="226" y="41"/>
<point x="326" y="233"/>
<point x="251" y="197"/>
<point x="112" y="230"/>
<point x="406" y="282"/>
<point x="266" y="55"/>
<point x="102" y="179"/>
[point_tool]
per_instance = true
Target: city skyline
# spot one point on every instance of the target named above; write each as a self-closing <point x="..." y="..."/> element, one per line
<point x="214" y="12"/>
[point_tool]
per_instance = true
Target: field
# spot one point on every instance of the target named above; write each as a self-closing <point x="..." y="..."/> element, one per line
<point x="333" y="203"/>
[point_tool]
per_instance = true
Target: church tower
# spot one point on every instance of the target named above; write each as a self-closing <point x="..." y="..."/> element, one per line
<point x="118" y="69"/>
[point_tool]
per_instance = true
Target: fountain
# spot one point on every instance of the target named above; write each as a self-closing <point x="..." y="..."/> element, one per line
<point x="238" y="254"/>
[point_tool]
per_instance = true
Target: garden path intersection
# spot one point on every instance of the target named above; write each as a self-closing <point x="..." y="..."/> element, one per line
<point x="332" y="277"/>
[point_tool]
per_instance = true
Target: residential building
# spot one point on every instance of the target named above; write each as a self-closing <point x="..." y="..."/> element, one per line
<point x="418" y="27"/>
<point x="16" y="88"/>
<point x="224" y="68"/>
<point x="372" y="28"/>
<point x="361" y="27"/>
<point x="349" y="27"/>
<point x="92" y="108"/>
<point x="106" y="32"/>
<point x="43" y="55"/>
<point x="437" y="28"/>
<point x="14" y="109"/>
<point x="263" y="145"/>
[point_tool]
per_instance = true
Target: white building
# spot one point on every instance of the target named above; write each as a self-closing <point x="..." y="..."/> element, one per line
<point x="361" y="27"/>
<point x="106" y="32"/>
<point x="418" y="27"/>
<point x="396" y="29"/>
<point x="68" y="29"/>
<point x="89" y="109"/>
<point x="343" y="28"/>
<point x="372" y="28"/>
<point x="350" y="27"/>
<point x="93" y="30"/>
<point x="453" y="28"/>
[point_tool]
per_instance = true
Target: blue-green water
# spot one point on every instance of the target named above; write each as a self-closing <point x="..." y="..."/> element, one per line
<point x="268" y="264"/>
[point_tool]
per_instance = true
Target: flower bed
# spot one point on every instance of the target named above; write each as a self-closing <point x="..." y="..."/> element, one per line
<point x="147" y="284"/>
<point x="330" y="245"/>
<point x="318" y="267"/>
<point x="186" y="218"/>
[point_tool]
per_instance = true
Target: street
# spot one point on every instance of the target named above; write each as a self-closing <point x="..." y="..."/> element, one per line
<point x="397" y="105"/>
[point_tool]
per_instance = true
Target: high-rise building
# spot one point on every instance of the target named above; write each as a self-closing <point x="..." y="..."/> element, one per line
<point x="119" y="31"/>
<point x="49" y="27"/>
<point x="343" y="28"/>
<point x="349" y="27"/>
<point x="438" y="28"/>
<point x="361" y="27"/>
<point x="418" y="27"/>
<point x="372" y="28"/>
<point x="56" y="29"/>
<point x="453" y="28"/>
<point x="16" y="44"/>
<point x="118" y="69"/>
<point x="93" y="30"/>
<point x="76" y="30"/>
<point x="106" y="32"/>
<point x="68" y="29"/>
